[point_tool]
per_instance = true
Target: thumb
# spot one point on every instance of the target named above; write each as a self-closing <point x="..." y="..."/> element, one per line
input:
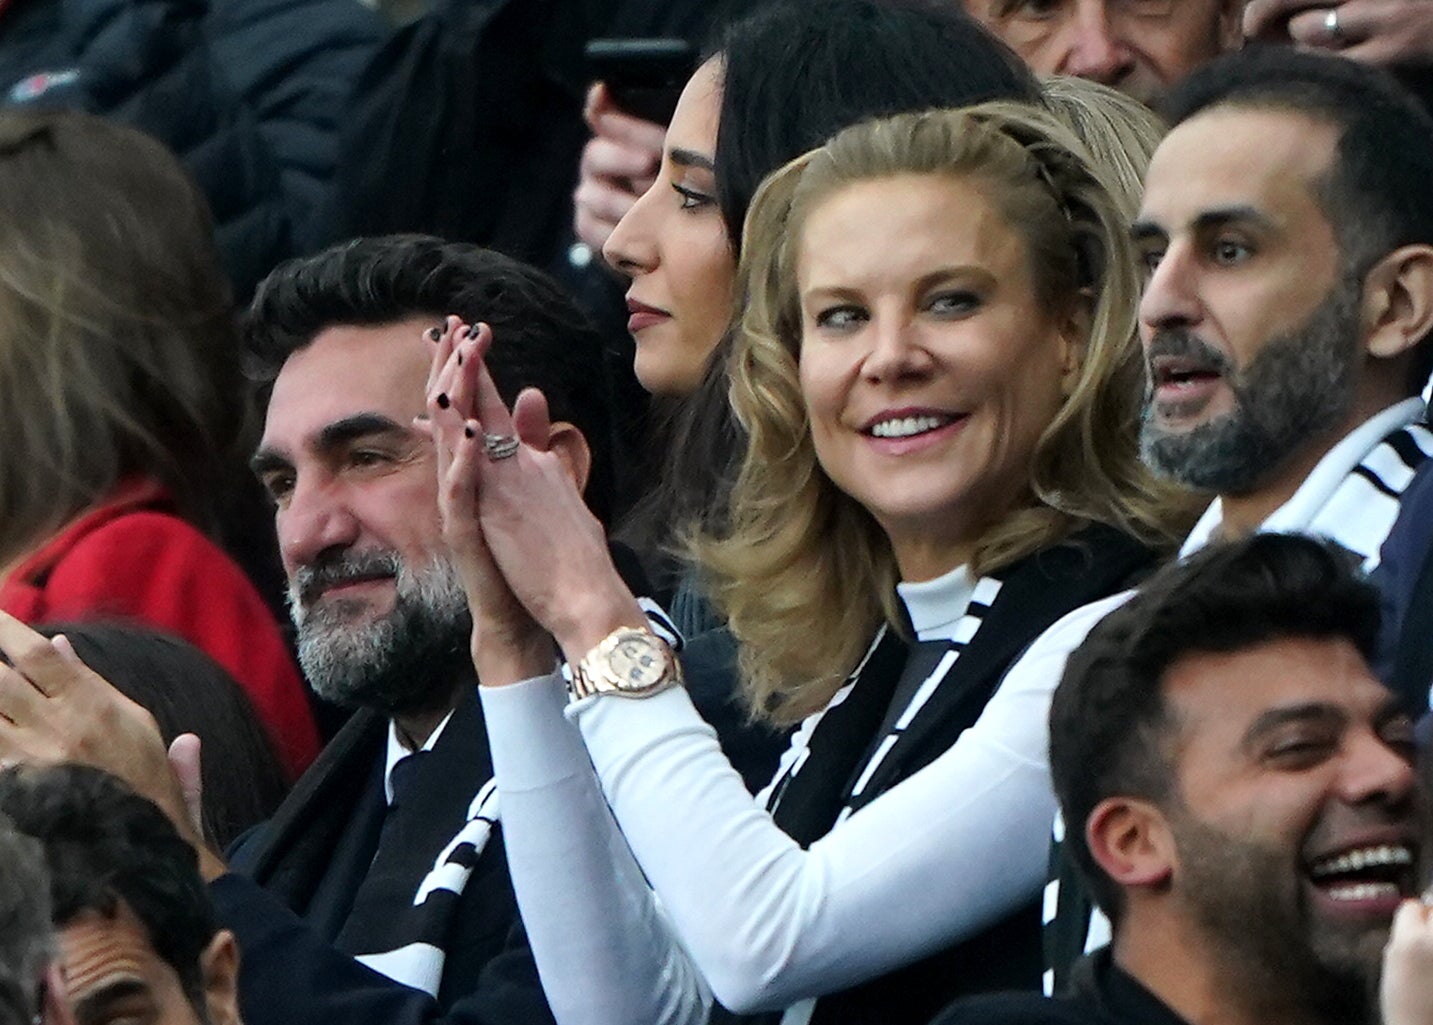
<point x="531" y="419"/>
<point x="184" y="759"/>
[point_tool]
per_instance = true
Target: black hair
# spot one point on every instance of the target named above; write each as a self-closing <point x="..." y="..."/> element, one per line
<point x="1110" y="726"/>
<point x="796" y="73"/>
<point x="1376" y="195"/>
<point x="26" y="935"/>
<point x="188" y="692"/>
<point x="793" y="75"/>
<point x="105" y="844"/>
<point x="540" y="337"/>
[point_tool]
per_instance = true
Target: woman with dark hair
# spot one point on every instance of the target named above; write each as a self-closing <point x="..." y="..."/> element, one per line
<point x="775" y="85"/>
<point x="122" y="405"/>
<point x="188" y="692"/>
<point x="938" y="374"/>
<point x="779" y="82"/>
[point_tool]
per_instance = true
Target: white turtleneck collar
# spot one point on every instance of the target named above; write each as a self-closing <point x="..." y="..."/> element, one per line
<point x="937" y="606"/>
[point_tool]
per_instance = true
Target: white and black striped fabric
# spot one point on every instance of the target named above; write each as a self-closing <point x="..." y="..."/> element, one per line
<point x="1358" y="515"/>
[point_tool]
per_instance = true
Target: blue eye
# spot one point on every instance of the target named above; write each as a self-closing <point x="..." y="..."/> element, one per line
<point x="840" y="318"/>
<point x="954" y="303"/>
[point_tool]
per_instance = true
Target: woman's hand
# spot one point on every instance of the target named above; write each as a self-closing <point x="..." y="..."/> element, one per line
<point x="523" y="511"/>
<point x="507" y="644"/>
<point x="618" y="164"/>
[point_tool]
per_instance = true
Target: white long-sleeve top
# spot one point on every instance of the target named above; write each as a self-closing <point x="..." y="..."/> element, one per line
<point x="744" y="912"/>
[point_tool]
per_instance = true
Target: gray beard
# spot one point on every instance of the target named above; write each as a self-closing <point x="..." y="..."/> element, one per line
<point x="1298" y="386"/>
<point x="401" y="662"/>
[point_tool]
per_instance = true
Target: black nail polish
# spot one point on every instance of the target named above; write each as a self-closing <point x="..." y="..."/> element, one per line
<point x="460" y="359"/>
<point x="443" y="400"/>
<point x="468" y="432"/>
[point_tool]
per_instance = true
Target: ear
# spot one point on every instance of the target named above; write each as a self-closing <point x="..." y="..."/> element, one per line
<point x="1398" y="301"/>
<point x="1074" y="342"/>
<point x="1130" y="840"/>
<point x="571" y="447"/>
<point x="219" y="964"/>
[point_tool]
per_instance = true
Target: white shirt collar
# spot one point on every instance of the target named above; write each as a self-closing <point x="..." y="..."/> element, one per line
<point x="1295" y="515"/>
<point x="935" y="606"/>
<point x="397" y="751"/>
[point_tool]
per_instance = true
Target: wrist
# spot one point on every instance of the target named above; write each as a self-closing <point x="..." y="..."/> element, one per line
<point x="503" y="657"/>
<point x="595" y="612"/>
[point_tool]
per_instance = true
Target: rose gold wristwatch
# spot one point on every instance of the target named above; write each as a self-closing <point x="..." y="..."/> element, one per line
<point x="629" y="663"/>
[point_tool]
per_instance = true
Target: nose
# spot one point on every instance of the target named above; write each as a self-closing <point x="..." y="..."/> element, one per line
<point x="1375" y="773"/>
<point x="315" y="520"/>
<point x="631" y="248"/>
<point x="895" y="352"/>
<point x="1171" y="294"/>
<point x="1095" y="51"/>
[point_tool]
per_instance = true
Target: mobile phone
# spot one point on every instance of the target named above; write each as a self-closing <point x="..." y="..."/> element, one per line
<point x="644" y="77"/>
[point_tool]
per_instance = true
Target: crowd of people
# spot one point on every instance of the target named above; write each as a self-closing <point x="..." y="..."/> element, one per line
<point x="938" y="532"/>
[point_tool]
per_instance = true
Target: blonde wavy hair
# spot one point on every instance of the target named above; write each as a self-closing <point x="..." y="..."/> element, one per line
<point x="803" y="572"/>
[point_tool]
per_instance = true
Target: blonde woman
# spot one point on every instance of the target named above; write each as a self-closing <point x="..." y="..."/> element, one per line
<point x="939" y="377"/>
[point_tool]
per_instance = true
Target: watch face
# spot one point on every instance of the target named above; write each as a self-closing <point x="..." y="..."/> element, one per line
<point x="637" y="662"/>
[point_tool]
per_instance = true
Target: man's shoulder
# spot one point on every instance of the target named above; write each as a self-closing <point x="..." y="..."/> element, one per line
<point x="1022" y="1009"/>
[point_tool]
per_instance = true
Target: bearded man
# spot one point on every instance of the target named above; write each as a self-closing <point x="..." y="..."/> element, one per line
<point x="1287" y="231"/>
<point x="1241" y="794"/>
<point x="389" y="848"/>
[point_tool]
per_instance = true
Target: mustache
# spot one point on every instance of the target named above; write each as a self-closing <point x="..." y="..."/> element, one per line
<point x="309" y="581"/>
<point x="1181" y="343"/>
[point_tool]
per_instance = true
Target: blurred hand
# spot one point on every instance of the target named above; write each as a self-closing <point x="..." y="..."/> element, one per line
<point x="619" y="163"/>
<point x="54" y="708"/>
<point x="1406" y="990"/>
<point x="1382" y="32"/>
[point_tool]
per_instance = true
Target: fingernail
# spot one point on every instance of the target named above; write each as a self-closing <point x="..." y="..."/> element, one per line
<point x="435" y="334"/>
<point x="468" y="432"/>
<point x="443" y="400"/>
<point x="460" y="359"/>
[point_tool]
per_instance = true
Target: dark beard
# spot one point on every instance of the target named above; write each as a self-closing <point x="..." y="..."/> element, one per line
<point x="1299" y="386"/>
<point x="1248" y="902"/>
<point x="401" y="663"/>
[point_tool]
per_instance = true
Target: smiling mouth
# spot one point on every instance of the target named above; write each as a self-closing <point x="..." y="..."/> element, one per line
<point x="910" y="426"/>
<point x="1181" y="372"/>
<point x="1373" y="873"/>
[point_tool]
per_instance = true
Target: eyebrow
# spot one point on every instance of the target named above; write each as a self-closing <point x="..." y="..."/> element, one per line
<point x="331" y="437"/>
<point x="690" y="158"/>
<point x="93" y="1004"/>
<point x="1275" y="718"/>
<point x="1209" y="220"/>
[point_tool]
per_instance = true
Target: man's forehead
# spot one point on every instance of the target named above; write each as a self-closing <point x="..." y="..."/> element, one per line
<point x="1231" y="692"/>
<point x="1265" y="160"/>
<point x="347" y="372"/>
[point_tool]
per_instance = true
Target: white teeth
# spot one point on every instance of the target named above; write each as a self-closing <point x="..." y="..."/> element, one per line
<point x="1366" y="857"/>
<point x="1362" y="891"/>
<point x="907" y="426"/>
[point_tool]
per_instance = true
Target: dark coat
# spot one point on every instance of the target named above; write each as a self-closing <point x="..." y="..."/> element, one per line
<point x="246" y="93"/>
<point x="321" y="846"/>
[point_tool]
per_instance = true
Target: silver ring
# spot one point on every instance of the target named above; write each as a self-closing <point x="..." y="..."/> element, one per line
<point x="500" y="446"/>
<point x="1331" y="25"/>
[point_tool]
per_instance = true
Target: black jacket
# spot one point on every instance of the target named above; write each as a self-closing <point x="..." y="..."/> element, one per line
<point x="247" y="93"/>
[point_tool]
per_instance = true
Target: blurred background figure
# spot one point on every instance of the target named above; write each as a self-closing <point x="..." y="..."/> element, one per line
<point x="188" y="692"/>
<point x="31" y="984"/>
<point x="123" y="411"/>
<point x="248" y="93"/>
<point x="137" y="936"/>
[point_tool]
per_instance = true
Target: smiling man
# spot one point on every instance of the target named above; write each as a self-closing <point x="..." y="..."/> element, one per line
<point x="1285" y="320"/>
<point x="1244" y="793"/>
<point x="1141" y="47"/>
